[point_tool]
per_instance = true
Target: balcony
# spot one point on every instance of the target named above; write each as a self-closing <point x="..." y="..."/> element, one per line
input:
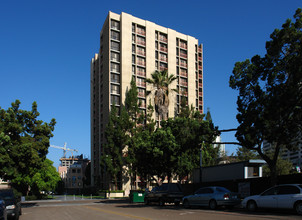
<point x="141" y="84"/>
<point x="141" y="94"/>
<point x="141" y="32"/>
<point x="142" y="105"/>
<point x="161" y="68"/>
<point x="141" y="63"/>
<point x="183" y="55"/>
<point x="184" y="74"/>
<point x="200" y="102"/>
<point x="200" y="76"/>
<point x="164" y="59"/>
<point x="183" y="65"/>
<point x="139" y="73"/>
<point x="184" y="93"/>
<point x="141" y="42"/>
<point x="183" y="46"/>
<point x="183" y="84"/>
<point x="200" y="84"/>
<point x="199" y="50"/>
<point x="163" y="39"/>
<point x="200" y="67"/>
<point x="163" y="49"/>
<point x="142" y="53"/>
<point x="200" y="58"/>
<point x="200" y="94"/>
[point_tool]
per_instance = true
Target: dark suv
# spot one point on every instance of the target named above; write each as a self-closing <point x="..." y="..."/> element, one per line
<point x="13" y="205"/>
<point x="166" y="193"/>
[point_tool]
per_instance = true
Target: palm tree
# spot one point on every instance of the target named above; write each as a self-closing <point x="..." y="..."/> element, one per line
<point x="161" y="81"/>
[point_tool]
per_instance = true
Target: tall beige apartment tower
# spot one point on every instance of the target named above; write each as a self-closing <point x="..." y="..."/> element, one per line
<point x="132" y="48"/>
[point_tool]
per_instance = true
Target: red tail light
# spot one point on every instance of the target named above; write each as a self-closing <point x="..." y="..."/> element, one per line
<point x="226" y="196"/>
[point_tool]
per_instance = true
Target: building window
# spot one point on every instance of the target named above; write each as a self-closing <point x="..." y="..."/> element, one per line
<point x="115" y="67"/>
<point x="115" y="78"/>
<point x="115" y="89"/>
<point x="141" y="40"/>
<point x="115" y="100"/>
<point x="115" y="35"/>
<point x="115" y="25"/>
<point x="115" y="56"/>
<point x="141" y="30"/>
<point x="115" y="46"/>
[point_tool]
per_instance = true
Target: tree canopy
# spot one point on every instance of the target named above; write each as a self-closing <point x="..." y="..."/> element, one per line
<point x="24" y="142"/>
<point x="270" y="94"/>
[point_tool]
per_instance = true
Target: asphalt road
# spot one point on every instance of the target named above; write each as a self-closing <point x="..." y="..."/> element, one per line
<point x="121" y="209"/>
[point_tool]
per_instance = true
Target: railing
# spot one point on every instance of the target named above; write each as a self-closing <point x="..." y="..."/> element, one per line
<point x="199" y="50"/>
<point x="141" y="63"/>
<point x="165" y="40"/>
<point x="184" y="93"/>
<point x="141" y="32"/>
<point x="200" y="84"/>
<point x="183" y="55"/>
<point x="183" y="65"/>
<point x="141" y="42"/>
<point x="184" y="46"/>
<point x="141" y="84"/>
<point x="183" y="83"/>
<point x="163" y="49"/>
<point x="184" y="74"/>
<point x="200" y="67"/>
<point x="141" y="94"/>
<point x="162" y="68"/>
<point x="200" y="93"/>
<point x="200" y="76"/>
<point x="139" y="52"/>
<point x="141" y="74"/>
<point x="165" y="59"/>
<point x="200" y="102"/>
<point x="200" y="58"/>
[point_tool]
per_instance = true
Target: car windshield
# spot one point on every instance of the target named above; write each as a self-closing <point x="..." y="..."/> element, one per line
<point x="222" y="189"/>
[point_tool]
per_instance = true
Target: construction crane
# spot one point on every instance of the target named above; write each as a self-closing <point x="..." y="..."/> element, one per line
<point x="65" y="149"/>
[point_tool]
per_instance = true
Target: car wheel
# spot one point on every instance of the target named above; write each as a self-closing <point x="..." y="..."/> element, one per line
<point x="161" y="202"/>
<point x="251" y="206"/>
<point x="298" y="208"/>
<point x="213" y="204"/>
<point x="186" y="204"/>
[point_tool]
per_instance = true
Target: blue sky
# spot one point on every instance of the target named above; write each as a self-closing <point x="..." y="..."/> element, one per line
<point x="46" y="48"/>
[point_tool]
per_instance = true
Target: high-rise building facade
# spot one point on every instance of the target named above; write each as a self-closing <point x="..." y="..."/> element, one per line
<point x="132" y="48"/>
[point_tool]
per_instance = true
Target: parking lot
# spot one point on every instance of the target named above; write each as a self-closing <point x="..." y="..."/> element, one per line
<point x="122" y="209"/>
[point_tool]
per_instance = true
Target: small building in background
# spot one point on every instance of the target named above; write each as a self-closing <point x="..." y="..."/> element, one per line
<point x="72" y="171"/>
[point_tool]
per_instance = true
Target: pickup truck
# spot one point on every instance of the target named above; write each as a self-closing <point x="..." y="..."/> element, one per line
<point x="165" y="193"/>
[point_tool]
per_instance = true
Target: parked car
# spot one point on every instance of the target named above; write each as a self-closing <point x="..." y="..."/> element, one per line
<point x="13" y="204"/>
<point x="3" y="214"/>
<point x="287" y="196"/>
<point x="212" y="197"/>
<point x="166" y="193"/>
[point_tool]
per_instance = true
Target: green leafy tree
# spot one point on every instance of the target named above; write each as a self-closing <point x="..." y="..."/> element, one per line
<point x="24" y="142"/>
<point x="283" y="167"/>
<point x="192" y="134"/>
<point x="46" y="179"/>
<point x="270" y="94"/>
<point x="243" y="154"/>
<point x="114" y="157"/>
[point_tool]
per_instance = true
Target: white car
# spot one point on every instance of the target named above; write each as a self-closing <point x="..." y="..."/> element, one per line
<point x="287" y="196"/>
